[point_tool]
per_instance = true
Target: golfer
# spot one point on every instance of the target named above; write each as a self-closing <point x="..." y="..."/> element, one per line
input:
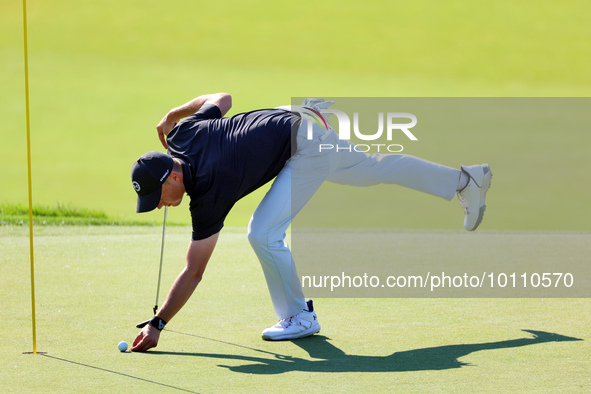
<point x="217" y="161"/>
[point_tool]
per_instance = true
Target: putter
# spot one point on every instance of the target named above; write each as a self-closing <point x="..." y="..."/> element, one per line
<point x="155" y="309"/>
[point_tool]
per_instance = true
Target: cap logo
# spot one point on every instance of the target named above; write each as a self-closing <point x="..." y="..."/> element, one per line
<point x="136" y="186"/>
<point x="165" y="175"/>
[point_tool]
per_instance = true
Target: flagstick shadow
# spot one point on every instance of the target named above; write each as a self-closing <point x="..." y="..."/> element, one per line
<point x="118" y="373"/>
<point x="328" y="358"/>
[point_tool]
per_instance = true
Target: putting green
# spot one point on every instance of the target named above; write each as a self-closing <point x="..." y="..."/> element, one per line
<point x="95" y="283"/>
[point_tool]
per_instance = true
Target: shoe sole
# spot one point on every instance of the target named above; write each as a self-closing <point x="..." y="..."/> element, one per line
<point x="310" y="331"/>
<point x="483" y="190"/>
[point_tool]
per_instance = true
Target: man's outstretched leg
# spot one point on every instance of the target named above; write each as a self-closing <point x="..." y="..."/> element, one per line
<point x="470" y="183"/>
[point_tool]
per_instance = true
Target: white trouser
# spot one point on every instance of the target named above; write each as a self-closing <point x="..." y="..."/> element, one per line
<point x="302" y="176"/>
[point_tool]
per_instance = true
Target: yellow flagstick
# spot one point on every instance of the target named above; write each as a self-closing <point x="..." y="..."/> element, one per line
<point x="29" y="171"/>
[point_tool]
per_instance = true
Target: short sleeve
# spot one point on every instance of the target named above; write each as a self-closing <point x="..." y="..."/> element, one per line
<point x="208" y="217"/>
<point x="207" y="111"/>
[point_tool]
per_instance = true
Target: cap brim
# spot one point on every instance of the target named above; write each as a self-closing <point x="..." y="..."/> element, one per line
<point x="149" y="202"/>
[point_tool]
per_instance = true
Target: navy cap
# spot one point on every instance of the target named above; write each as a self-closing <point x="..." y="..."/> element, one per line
<point x="148" y="174"/>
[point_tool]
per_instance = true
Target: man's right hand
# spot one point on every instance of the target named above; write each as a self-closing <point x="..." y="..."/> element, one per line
<point x="222" y="100"/>
<point x="146" y="339"/>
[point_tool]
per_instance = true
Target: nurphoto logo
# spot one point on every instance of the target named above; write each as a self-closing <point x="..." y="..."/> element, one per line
<point x="390" y="123"/>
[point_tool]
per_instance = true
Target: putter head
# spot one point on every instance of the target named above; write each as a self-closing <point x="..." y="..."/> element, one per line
<point x="143" y="324"/>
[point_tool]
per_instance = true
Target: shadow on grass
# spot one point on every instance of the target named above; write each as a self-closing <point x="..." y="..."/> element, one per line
<point x="118" y="373"/>
<point x="328" y="358"/>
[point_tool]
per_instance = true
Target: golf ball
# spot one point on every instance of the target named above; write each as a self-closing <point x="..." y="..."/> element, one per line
<point x="122" y="346"/>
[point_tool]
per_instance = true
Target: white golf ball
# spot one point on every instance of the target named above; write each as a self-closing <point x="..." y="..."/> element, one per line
<point x="122" y="346"/>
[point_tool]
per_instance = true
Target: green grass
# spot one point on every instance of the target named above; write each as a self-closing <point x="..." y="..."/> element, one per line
<point x="102" y="77"/>
<point x="62" y="215"/>
<point x="93" y="284"/>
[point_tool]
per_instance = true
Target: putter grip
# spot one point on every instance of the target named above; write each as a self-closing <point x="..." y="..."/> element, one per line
<point x="143" y="324"/>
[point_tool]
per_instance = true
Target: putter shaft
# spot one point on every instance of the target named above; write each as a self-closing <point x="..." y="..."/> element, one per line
<point x="155" y="309"/>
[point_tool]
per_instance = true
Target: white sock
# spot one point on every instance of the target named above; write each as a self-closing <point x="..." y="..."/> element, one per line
<point x="463" y="181"/>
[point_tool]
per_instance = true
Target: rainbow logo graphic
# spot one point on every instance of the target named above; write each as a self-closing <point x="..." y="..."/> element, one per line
<point x="315" y="115"/>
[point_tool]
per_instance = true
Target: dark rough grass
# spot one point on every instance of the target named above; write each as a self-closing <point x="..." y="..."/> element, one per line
<point x="62" y="215"/>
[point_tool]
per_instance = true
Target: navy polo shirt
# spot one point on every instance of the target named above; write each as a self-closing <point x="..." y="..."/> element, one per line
<point x="224" y="159"/>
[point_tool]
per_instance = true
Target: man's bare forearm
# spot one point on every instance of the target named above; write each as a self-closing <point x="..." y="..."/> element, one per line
<point x="188" y="109"/>
<point x="180" y="292"/>
<point x="194" y="105"/>
<point x="222" y="100"/>
<point x="198" y="254"/>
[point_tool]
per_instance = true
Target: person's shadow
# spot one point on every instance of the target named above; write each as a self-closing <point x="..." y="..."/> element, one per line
<point x="328" y="358"/>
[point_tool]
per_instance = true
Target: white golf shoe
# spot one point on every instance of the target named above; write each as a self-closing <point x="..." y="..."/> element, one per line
<point x="301" y="325"/>
<point x="472" y="196"/>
